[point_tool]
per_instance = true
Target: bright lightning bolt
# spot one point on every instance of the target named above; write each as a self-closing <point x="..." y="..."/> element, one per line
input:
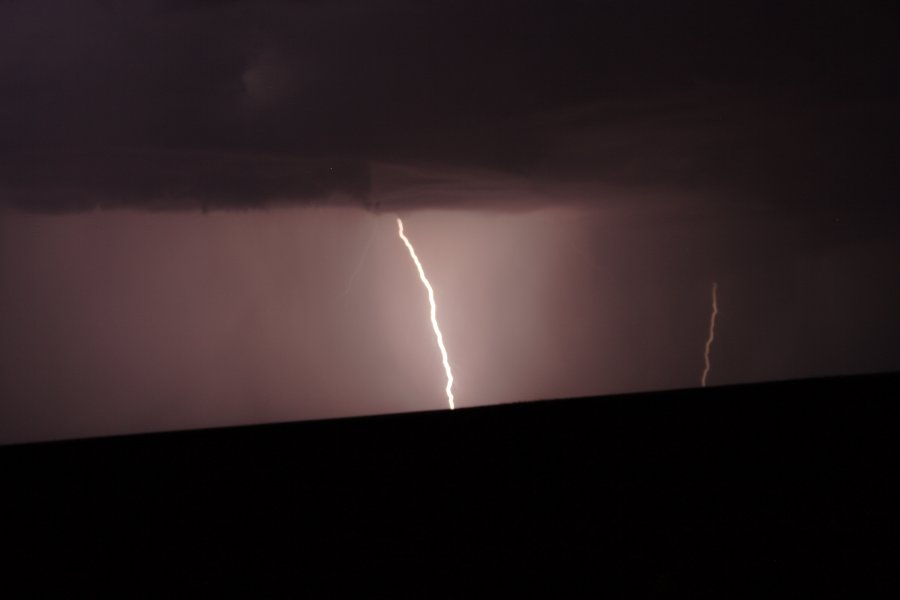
<point x="712" y="334"/>
<point x="434" y="323"/>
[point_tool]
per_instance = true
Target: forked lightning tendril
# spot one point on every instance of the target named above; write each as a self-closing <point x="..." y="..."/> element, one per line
<point x="712" y="334"/>
<point x="434" y="323"/>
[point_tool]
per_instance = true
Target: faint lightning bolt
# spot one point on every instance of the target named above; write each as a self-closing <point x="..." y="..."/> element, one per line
<point x="362" y="259"/>
<point x="712" y="334"/>
<point x="434" y="323"/>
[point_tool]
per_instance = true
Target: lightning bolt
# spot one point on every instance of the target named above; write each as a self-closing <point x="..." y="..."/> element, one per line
<point x="359" y="264"/>
<point x="712" y="334"/>
<point x="434" y="323"/>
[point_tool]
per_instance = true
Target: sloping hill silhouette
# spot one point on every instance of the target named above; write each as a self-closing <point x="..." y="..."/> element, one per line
<point x="742" y="490"/>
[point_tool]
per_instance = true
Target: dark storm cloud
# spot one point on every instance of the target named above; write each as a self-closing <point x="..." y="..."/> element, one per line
<point x="733" y="143"/>
<point x="102" y="179"/>
<point x="791" y="102"/>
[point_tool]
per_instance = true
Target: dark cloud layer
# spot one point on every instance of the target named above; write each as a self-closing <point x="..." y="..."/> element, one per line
<point x="790" y="102"/>
<point x="168" y="180"/>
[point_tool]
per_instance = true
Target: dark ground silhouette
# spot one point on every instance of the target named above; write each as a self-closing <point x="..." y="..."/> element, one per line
<point x="739" y="491"/>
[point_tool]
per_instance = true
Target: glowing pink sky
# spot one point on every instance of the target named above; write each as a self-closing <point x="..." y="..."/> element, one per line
<point x="123" y="322"/>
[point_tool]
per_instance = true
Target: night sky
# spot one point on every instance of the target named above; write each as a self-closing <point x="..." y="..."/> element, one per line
<point x="198" y="203"/>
